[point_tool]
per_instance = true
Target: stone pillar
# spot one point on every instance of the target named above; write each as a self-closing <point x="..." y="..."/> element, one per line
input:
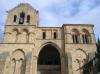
<point x="93" y="39"/>
<point x="12" y="67"/>
<point x="81" y="39"/>
<point x="69" y="38"/>
<point x="31" y="65"/>
<point x="33" y="58"/>
<point x="63" y="66"/>
<point x="34" y="65"/>
<point x="17" y="67"/>
<point x="20" y="66"/>
<point x="69" y="63"/>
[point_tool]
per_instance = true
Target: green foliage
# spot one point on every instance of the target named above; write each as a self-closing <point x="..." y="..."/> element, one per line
<point x="98" y="46"/>
<point x="98" y="55"/>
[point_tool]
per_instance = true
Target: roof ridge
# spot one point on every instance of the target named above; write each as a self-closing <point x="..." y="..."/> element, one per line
<point x="20" y="5"/>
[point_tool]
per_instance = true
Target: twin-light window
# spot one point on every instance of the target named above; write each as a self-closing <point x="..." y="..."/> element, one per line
<point x="21" y="18"/>
<point x="54" y="35"/>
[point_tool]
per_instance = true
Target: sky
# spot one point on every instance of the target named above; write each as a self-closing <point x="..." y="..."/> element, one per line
<point x="58" y="12"/>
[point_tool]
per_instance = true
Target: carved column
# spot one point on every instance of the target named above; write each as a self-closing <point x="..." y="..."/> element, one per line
<point x="12" y="67"/>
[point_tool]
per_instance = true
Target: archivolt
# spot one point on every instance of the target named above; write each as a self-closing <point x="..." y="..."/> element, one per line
<point x="53" y="44"/>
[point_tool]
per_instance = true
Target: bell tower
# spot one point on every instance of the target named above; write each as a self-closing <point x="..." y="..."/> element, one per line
<point x="20" y="24"/>
<point x="23" y="14"/>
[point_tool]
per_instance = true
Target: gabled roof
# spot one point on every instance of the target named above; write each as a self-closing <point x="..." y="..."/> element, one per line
<point x="22" y="4"/>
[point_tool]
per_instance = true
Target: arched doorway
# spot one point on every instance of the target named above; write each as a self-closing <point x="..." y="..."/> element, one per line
<point x="49" y="60"/>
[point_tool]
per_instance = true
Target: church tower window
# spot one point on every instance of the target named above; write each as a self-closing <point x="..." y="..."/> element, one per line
<point x="86" y="37"/>
<point x="44" y="35"/>
<point x="55" y="35"/>
<point x="15" y="18"/>
<point x="28" y="18"/>
<point x="75" y="39"/>
<point x="75" y="36"/>
<point x="22" y="17"/>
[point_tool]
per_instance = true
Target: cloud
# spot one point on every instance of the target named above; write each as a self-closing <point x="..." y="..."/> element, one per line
<point x="93" y="18"/>
<point x="54" y="12"/>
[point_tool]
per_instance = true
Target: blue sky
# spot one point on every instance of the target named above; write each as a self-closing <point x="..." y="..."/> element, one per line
<point x="58" y="12"/>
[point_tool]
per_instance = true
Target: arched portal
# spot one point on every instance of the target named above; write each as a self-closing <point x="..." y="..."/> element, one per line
<point x="49" y="60"/>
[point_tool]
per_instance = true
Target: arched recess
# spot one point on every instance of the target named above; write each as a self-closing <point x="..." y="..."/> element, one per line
<point x="18" y="62"/>
<point x="15" y="18"/>
<point x="81" y="58"/>
<point x="75" y="36"/>
<point x="86" y="37"/>
<point x="22" y="18"/>
<point x="50" y="60"/>
<point x="28" y="18"/>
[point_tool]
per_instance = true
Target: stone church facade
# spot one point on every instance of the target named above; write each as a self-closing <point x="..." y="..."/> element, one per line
<point x="27" y="48"/>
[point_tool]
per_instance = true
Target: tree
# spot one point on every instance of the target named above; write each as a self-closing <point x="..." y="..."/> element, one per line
<point x="88" y="66"/>
<point x="98" y="46"/>
<point x="98" y="55"/>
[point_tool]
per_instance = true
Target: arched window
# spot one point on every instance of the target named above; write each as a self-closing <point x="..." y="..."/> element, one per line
<point x="28" y="18"/>
<point x="55" y="35"/>
<point x="22" y="17"/>
<point x="15" y="18"/>
<point x="44" y="35"/>
<point x="75" y="36"/>
<point x="18" y="63"/>
<point x="86" y="37"/>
